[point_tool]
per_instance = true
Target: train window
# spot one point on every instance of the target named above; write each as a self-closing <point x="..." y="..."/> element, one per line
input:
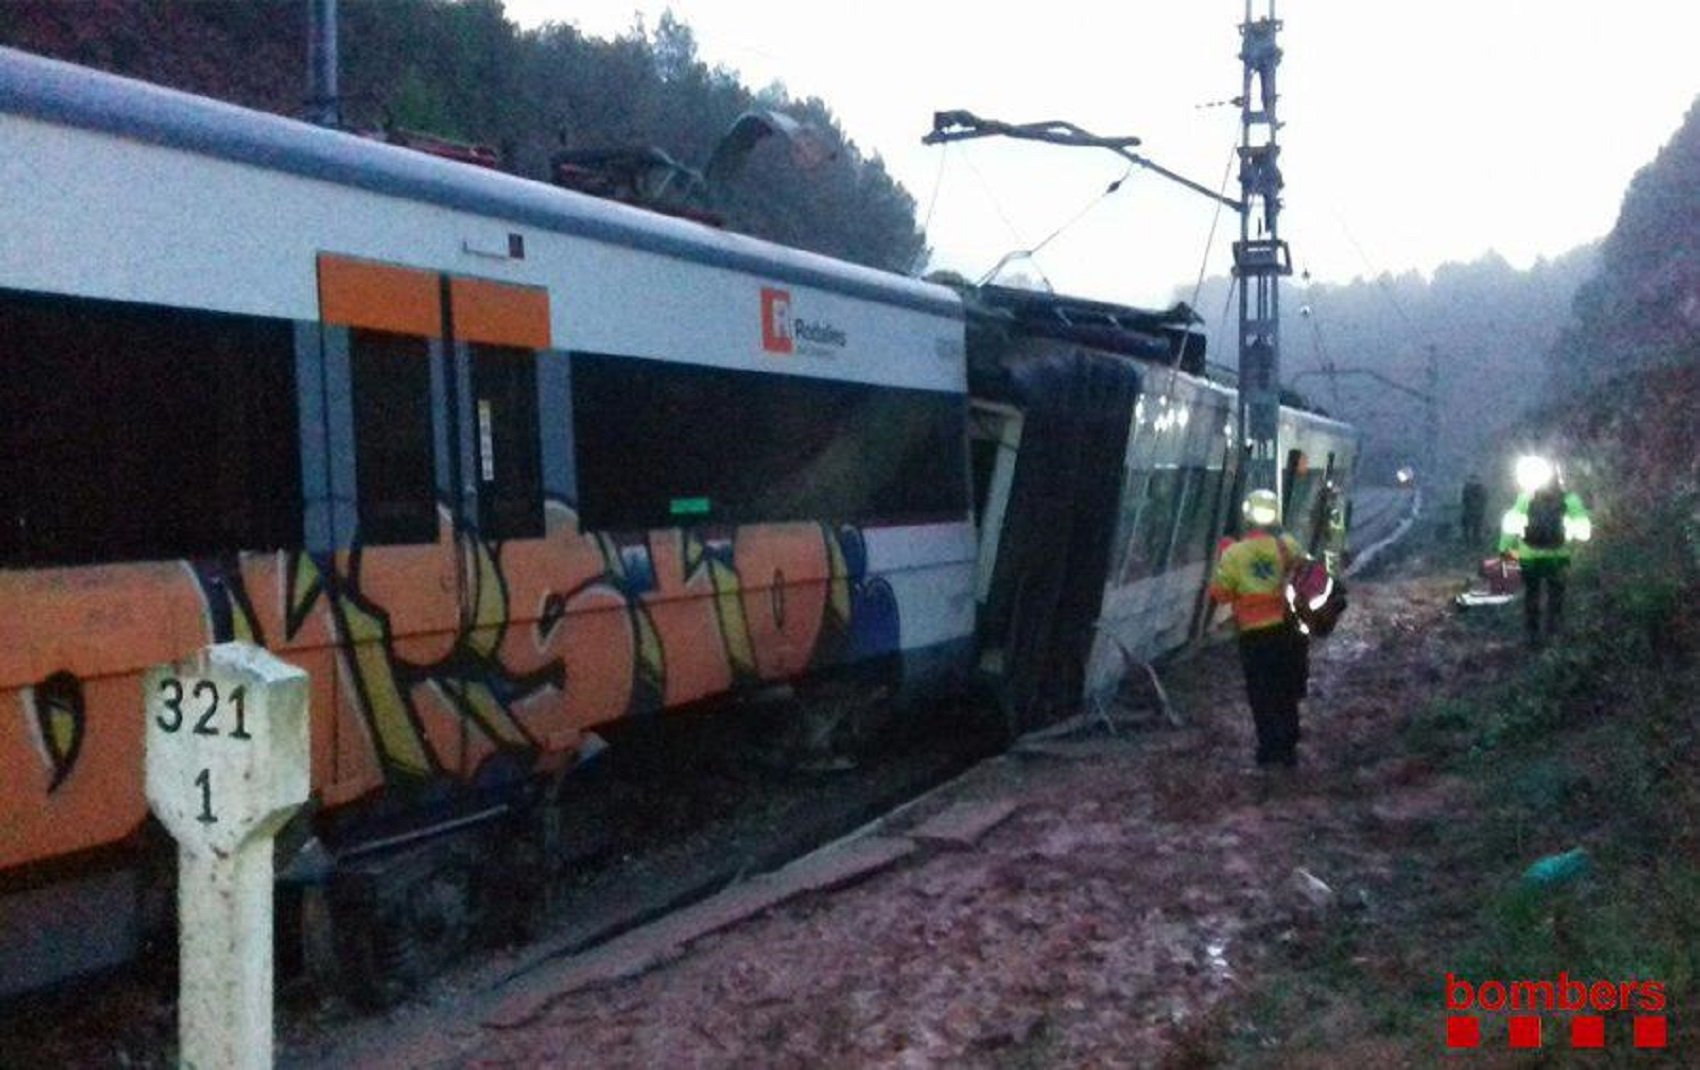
<point x="1297" y="465"/>
<point x="1303" y="494"/>
<point x="662" y="444"/>
<point x="1193" y="540"/>
<point x="1133" y="497"/>
<point x="510" y="468"/>
<point x="988" y="437"/>
<point x="394" y="479"/>
<point x="1148" y="552"/>
<point x="1161" y="514"/>
<point x="133" y="432"/>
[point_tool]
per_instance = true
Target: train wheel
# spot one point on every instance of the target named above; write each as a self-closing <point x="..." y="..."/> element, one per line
<point x="400" y="922"/>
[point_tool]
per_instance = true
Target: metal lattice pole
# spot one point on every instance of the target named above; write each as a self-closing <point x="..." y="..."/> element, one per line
<point x="1260" y="256"/>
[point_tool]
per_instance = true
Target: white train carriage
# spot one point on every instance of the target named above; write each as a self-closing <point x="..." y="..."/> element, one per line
<point x="1107" y="475"/>
<point x="496" y="463"/>
<point x="1182" y="493"/>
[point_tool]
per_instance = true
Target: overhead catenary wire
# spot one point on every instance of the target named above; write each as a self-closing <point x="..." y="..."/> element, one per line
<point x="1030" y="254"/>
<point x="1204" y="264"/>
<point x="927" y="224"/>
<point x="997" y="206"/>
<point x="1375" y="273"/>
<point x="1215" y="218"/>
<point x="1326" y="362"/>
<point x="1227" y="305"/>
<point x="1432" y="397"/>
<point x="1078" y="216"/>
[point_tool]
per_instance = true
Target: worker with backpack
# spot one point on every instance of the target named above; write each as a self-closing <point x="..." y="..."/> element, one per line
<point x="1279" y="599"/>
<point x="1539" y="530"/>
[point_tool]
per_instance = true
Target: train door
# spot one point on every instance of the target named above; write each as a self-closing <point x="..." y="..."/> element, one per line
<point x="994" y="441"/>
<point x="1297" y="465"/>
<point x="431" y="421"/>
<point x="1223" y="482"/>
<point x="1324" y="513"/>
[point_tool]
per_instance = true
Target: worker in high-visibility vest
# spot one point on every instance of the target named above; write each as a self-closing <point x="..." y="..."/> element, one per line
<point x="1251" y="577"/>
<point x="1540" y="530"/>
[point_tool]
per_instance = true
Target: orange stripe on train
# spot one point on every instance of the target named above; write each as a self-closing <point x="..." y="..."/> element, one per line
<point x="383" y="297"/>
<point x="500" y="314"/>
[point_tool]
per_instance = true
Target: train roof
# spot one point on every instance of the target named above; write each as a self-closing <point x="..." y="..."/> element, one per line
<point x="53" y="91"/>
<point x="1145" y="336"/>
<point x="1133" y="332"/>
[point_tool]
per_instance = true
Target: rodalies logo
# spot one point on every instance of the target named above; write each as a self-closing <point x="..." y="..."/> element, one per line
<point x="784" y="332"/>
<point x="776" y="336"/>
<point x="1584" y="1003"/>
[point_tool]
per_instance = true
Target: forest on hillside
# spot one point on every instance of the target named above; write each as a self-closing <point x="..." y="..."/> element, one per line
<point x="1523" y="357"/>
<point x="459" y="69"/>
<point x="1624" y="394"/>
<point x="1491" y="327"/>
<point x="1642" y="310"/>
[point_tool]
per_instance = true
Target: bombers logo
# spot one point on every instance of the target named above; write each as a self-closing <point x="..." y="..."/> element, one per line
<point x="1582" y="1004"/>
<point x="784" y="333"/>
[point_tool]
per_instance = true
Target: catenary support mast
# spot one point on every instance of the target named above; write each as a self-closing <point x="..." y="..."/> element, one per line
<point x="1260" y="256"/>
<point x="324" y="100"/>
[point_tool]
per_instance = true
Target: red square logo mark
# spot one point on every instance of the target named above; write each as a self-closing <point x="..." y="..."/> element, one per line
<point x="1587" y="1031"/>
<point x="1463" y="1032"/>
<point x="776" y="320"/>
<point x="1649" y="1031"/>
<point x="1525" y="1031"/>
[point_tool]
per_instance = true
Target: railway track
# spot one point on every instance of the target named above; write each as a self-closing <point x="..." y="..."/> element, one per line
<point x="671" y="818"/>
<point x="1377" y="514"/>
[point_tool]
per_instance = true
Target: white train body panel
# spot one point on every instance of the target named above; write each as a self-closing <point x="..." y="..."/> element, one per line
<point x="1178" y="495"/>
<point x="456" y="657"/>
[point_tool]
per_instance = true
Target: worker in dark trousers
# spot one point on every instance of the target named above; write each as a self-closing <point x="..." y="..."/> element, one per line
<point x="1251" y="577"/>
<point x="1473" y="506"/>
<point x="1539" y="530"/>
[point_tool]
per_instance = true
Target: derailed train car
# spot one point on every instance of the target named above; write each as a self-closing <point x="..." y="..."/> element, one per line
<point x="1105" y="473"/>
<point x="500" y="464"/>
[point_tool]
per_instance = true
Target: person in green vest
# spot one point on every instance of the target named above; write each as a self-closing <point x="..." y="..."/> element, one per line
<point x="1539" y="531"/>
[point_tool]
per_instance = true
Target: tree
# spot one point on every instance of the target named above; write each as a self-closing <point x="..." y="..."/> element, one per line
<point x="460" y="69"/>
<point x="1643" y="307"/>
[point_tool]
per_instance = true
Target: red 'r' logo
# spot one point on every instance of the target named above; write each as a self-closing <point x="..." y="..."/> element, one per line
<point x="776" y="320"/>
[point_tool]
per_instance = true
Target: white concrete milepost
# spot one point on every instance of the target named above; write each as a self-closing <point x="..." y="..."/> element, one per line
<point x="227" y="764"/>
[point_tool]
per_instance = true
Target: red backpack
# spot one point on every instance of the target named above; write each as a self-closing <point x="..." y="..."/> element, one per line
<point x="1315" y="598"/>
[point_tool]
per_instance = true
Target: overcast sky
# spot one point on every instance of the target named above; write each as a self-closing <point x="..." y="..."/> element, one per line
<point x="1414" y="133"/>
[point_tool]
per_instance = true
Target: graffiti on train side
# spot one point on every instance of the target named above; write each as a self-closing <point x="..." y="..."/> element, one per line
<point x="57" y="708"/>
<point x="464" y="658"/>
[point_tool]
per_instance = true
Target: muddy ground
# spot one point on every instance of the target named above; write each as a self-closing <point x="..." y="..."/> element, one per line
<point x="1147" y="902"/>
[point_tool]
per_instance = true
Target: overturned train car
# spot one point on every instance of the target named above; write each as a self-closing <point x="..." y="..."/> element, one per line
<point x="1106" y="473"/>
<point x="499" y="464"/>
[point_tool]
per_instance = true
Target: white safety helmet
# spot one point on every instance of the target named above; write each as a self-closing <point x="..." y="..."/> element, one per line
<point x="1262" y="508"/>
<point x="1534" y="472"/>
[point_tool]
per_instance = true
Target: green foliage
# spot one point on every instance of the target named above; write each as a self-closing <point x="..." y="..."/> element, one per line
<point x="1434" y="731"/>
<point x="1593" y="742"/>
<point x="459" y="69"/>
<point x="416" y="106"/>
<point x="1643" y="308"/>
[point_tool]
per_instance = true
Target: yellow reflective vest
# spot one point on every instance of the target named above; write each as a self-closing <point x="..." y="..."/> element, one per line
<point x="1578" y="527"/>
<point x="1251" y="575"/>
